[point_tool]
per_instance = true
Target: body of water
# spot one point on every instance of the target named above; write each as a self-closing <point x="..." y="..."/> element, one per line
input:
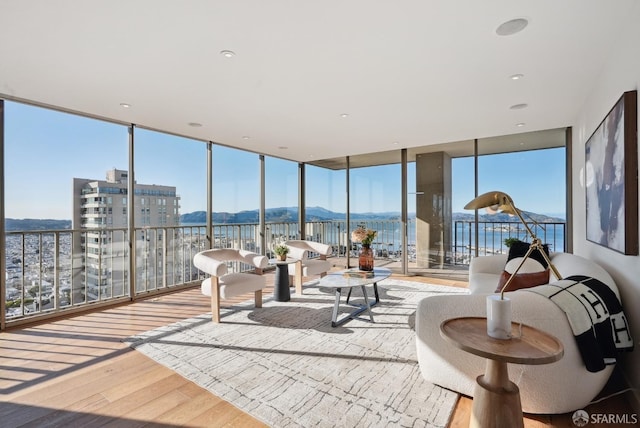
<point x="388" y="242"/>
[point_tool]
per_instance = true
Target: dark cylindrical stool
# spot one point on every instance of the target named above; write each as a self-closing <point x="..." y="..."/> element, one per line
<point x="281" y="292"/>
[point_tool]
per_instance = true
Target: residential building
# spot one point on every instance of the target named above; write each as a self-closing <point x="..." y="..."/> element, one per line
<point x="102" y="207"/>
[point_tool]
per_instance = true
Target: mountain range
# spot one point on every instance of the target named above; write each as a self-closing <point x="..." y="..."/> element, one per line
<point x="290" y="214"/>
<point x="283" y="215"/>
<point x="280" y="215"/>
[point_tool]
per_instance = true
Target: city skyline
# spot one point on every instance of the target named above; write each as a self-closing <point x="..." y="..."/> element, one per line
<point x="70" y="146"/>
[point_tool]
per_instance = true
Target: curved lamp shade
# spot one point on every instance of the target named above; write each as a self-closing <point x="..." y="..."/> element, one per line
<point x="494" y="200"/>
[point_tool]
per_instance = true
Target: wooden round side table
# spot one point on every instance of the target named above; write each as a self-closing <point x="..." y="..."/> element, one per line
<point x="496" y="401"/>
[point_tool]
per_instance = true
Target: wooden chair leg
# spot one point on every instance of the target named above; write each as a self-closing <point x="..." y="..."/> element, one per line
<point x="298" y="279"/>
<point x="323" y="274"/>
<point x="215" y="300"/>
<point x="258" y="298"/>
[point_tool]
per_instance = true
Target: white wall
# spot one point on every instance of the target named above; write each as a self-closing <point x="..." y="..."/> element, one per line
<point x="622" y="73"/>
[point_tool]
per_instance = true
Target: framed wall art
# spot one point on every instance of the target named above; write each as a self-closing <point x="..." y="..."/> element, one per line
<point x="611" y="178"/>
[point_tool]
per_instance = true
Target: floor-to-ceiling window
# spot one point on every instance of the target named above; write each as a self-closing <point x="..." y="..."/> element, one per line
<point x="376" y="204"/>
<point x="236" y="199"/>
<point x="170" y="182"/>
<point x="530" y="167"/>
<point x="71" y="173"/>
<point x="463" y="191"/>
<point x="61" y="250"/>
<point x="433" y="196"/>
<point x="281" y="201"/>
<point x="412" y="199"/>
<point x="326" y="207"/>
<point x="535" y="180"/>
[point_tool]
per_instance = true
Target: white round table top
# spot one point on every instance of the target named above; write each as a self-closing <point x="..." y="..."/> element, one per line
<point x="353" y="278"/>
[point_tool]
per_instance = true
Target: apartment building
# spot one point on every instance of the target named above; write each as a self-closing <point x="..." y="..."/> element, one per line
<point x="102" y="207"/>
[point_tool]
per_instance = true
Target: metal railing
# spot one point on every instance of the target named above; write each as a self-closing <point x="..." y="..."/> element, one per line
<point x="492" y="236"/>
<point x="52" y="271"/>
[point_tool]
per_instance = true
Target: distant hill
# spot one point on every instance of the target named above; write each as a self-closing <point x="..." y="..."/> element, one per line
<point x="290" y="214"/>
<point x="13" y="224"/>
<point x="281" y="215"/>
<point x="277" y="215"/>
<point x="504" y="218"/>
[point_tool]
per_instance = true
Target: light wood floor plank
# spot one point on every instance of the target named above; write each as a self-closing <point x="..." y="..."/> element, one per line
<point x="218" y="416"/>
<point x="83" y="382"/>
<point x="196" y="405"/>
<point x="64" y="417"/>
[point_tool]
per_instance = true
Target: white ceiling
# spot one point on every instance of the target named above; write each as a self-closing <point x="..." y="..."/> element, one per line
<point x="408" y="73"/>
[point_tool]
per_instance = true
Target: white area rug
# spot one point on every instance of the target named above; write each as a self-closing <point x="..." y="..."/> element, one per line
<point x="285" y="365"/>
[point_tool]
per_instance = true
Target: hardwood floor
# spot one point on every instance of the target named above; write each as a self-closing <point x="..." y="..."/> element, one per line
<point x="77" y="371"/>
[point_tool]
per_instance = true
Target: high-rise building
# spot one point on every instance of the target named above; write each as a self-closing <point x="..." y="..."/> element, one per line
<point x="101" y="252"/>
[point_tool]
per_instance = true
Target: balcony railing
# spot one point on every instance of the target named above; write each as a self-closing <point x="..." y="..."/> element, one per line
<point x="492" y="236"/>
<point x="52" y="271"/>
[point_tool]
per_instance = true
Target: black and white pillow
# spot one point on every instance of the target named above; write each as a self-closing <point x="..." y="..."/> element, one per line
<point x="534" y="271"/>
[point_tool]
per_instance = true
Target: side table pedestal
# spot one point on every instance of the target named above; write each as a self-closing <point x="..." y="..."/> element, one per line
<point x="281" y="291"/>
<point x="496" y="400"/>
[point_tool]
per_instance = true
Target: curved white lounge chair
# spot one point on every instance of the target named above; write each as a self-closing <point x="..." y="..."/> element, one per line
<point x="305" y="267"/>
<point x="226" y="285"/>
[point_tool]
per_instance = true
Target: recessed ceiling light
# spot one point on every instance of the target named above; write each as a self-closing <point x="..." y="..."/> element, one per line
<point x="520" y="125"/>
<point x="395" y="143"/>
<point x="344" y="115"/>
<point x="511" y="27"/>
<point x="283" y="147"/>
<point x="519" y="106"/>
<point x="195" y="124"/>
<point x="125" y="105"/>
<point x="228" y="54"/>
<point x="516" y="76"/>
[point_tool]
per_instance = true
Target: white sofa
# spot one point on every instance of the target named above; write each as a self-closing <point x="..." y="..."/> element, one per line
<point x="560" y="387"/>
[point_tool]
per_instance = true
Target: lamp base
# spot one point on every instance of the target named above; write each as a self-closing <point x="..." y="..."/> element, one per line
<point x="498" y="317"/>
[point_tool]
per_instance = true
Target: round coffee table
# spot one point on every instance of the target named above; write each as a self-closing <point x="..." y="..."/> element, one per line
<point x="348" y="279"/>
<point x="496" y="400"/>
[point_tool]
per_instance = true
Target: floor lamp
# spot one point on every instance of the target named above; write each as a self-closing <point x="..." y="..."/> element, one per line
<point x="499" y="311"/>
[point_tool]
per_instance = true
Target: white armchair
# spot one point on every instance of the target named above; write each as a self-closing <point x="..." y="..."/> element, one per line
<point x="304" y="266"/>
<point x="226" y="285"/>
<point x="560" y="387"/>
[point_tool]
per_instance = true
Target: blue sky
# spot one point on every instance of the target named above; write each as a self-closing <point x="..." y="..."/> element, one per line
<point x="45" y="150"/>
<point x="535" y="179"/>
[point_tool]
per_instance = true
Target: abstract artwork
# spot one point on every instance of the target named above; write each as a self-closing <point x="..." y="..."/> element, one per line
<point x="611" y="179"/>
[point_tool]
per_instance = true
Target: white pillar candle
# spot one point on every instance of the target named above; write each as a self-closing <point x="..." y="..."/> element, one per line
<point x="498" y="317"/>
